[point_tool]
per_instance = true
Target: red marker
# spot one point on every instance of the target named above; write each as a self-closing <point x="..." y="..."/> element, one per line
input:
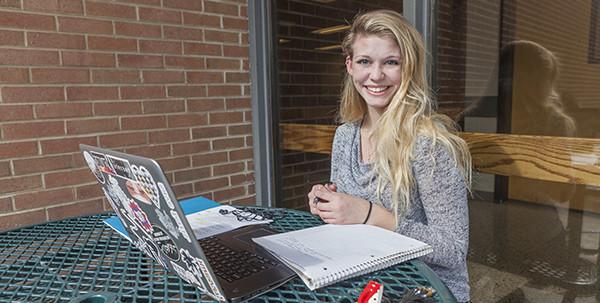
<point x="372" y="293"/>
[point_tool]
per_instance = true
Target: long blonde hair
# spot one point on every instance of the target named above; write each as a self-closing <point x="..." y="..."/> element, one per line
<point x="410" y="112"/>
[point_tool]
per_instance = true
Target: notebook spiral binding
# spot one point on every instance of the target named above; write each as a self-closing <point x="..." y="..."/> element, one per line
<point x="370" y="266"/>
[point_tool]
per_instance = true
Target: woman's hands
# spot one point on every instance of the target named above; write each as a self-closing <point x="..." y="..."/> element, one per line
<point x="313" y="200"/>
<point x="336" y="208"/>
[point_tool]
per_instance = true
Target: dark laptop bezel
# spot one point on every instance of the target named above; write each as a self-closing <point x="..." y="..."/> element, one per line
<point x="235" y="291"/>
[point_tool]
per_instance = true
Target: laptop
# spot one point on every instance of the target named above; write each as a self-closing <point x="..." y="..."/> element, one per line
<point x="229" y="267"/>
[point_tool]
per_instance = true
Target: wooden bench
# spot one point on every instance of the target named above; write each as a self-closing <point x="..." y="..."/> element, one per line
<point x="558" y="159"/>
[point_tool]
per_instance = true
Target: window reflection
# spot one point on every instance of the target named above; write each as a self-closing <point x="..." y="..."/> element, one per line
<point x="518" y="67"/>
<point x="537" y="107"/>
<point x="522" y="68"/>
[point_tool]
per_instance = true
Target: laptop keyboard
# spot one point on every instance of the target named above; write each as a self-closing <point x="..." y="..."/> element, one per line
<point x="230" y="264"/>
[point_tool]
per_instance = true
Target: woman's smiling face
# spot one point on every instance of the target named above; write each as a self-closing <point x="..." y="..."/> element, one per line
<point x="376" y="69"/>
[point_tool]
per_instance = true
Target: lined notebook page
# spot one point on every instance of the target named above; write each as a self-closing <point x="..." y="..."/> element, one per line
<point x="325" y="254"/>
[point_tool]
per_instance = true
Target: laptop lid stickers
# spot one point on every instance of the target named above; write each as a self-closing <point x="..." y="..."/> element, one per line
<point x="139" y="193"/>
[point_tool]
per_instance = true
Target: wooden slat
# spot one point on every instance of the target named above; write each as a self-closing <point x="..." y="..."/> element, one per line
<point x="559" y="159"/>
<point x="311" y="138"/>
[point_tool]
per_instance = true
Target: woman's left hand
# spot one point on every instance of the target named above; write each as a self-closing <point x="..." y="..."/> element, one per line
<point x="341" y="208"/>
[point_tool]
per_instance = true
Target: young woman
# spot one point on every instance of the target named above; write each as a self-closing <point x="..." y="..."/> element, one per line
<point x="396" y="163"/>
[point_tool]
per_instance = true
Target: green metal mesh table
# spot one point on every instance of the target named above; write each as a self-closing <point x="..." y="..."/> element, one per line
<point x="82" y="260"/>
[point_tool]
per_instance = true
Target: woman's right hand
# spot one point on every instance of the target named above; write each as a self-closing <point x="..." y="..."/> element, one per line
<point x="312" y="203"/>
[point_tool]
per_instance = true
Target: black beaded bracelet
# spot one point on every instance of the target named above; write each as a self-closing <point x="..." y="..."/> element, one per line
<point x="368" y="213"/>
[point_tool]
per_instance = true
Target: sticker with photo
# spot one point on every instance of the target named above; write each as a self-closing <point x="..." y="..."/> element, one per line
<point x="189" y="277"/>
<point x="165" y="194"/>
<point x="121" y="167"/>
<point x="167" y="222"/>
<point x="136" y="191"/>
<point x="140" y="216"/>
<point x="180" y="226"/>
<point x="91" y="162"/>
<point x="165" y="243"/>
<point x="146" y="183"/>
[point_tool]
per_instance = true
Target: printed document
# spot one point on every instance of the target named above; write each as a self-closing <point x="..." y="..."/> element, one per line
<point x="212" y="222"/>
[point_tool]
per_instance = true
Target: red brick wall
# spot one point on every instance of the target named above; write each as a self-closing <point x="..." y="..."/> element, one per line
<point x="161" y="78"/>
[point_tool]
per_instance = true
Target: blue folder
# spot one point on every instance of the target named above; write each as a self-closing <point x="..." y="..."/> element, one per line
<point x="189" y="206"/>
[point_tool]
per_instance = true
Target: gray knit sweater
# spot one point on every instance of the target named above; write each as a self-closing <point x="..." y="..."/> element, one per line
<point x="438" y="213"/>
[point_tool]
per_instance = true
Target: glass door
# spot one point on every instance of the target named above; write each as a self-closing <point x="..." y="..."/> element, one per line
<point x="521" y="78"/>
<point x="528" y="68"/>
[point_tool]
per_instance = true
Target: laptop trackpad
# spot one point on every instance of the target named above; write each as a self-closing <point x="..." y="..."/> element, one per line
<point x="255" y="233"/>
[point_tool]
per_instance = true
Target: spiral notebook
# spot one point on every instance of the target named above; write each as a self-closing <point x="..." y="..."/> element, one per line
<point x="326" y="254"/>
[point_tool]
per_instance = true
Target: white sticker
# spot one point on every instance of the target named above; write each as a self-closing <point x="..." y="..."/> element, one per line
<point x="210" y="280"/>
<point x="163" y="190"/>
<point x="198" y="268"/>
<point x="92" y="163"/>
<point x="189" y="277"/>
<point x="114" y="204"/>
<point x="180" y="226"/>
<point x="115" y="191"/>
<point x="120" y="167"/>
<point x="167" y="222"/>
<point x="165" y="244"/>
<point x="150" y="248"/>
